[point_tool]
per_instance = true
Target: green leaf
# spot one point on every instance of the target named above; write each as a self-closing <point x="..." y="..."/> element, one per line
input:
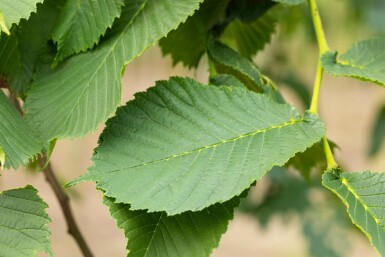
<point x="190" y="234"/>
<point x="12" y="11"/>
<point x="17" y="140"/>
<point x="88" y="85"/>
<point x="81" y="24"/>
<point x="228" y="61"/>
<point x="364" y="61"/>
<point x="378" y="132"/>
<point x="187" y="44"/>
<point x="23" y="51"/>
<point x="184" y="146"/>
<point x="23" y="223"/>
<point x="290" y="2"/>
<point x="250" y="37"/>
<point x="363" y="193"/>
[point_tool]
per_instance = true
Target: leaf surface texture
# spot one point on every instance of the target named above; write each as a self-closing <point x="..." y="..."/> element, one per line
<point x="88" y="85"/>
<point x="23" y="223"/>
<point x="189" y="234"/>
<point x="364" y="61"/>
<point x="363" y="193"/>
<point x="184" y="146"/>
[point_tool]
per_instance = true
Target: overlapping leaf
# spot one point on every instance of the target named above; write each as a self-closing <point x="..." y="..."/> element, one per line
<point x="184" y="146"/>
<point x="24" y="49"/>
<point x="88" y="86"/>
<point x="228" y="61"/>
<point x="363" y="193"/>
<point x="250" y="37"/>
<point x="190" y="234"/>
<point x="12" y="11"/>
<point x="82" y="23"/>
<point x="23" y="223"/>
<point x="364" y="61"/>
<point x="17" y="140"/>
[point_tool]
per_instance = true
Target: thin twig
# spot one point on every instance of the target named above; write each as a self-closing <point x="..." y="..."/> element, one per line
<point x="63" y="199"/>
<point x="61" y="196"/>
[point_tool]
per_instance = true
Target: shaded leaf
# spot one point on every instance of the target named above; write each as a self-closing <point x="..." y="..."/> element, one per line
<point x="12" y="11"/>
<point x="187" y="44"/>
<point x="250" y="37"/>
<point x="363" y="193"/>
<point x="23" y="223"/>
<point x="17" y="140"/>
<point x="228" y="61"/>
<point x="189" y="234"/>
<point x="88" y="85"/>
<point x="24" y="49"/>
<point x="184" y="146"/>
<point x="226" y="80"/>
<point x="81" y="24"/>
<point x="364" y="61"/>
<point x="378" y="132"/>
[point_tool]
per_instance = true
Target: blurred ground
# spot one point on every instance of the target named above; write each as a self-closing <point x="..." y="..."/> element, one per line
<point x="348" y="108"/>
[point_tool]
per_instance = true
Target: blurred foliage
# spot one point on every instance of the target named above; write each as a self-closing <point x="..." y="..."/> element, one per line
<point x="322" y="217"/>
<point x="378" y="132"/>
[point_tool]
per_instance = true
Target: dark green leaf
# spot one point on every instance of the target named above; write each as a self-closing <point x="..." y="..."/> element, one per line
<point x="378" y="132"/>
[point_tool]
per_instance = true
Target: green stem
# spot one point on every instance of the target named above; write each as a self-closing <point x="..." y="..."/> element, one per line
<point x="213" y="69"/>
<point x="323" y="47"/>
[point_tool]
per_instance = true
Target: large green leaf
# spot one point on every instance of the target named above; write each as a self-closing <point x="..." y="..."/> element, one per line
<point x="363" y="193"/>
<point x="82" y="23"/>
<point x="17" y="140"/>
<point x="23" y="223"/>
<point x="190" y="234"/>
<point x="88" y="86"/>
<point x="12" y="11"/>
<point x="24" y="49"/>
<point x="364" y="61"/>
<point x="184" y="146"/>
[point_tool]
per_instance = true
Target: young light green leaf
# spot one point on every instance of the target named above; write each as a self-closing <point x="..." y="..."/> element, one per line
<point x="81" y="24"/>
<point x="23" y="50"/>
<point x="363" y="194"/>
<point x="290" y="2"/>
<point x="12" y="11"/>
<point x="184" y="146"/>
<point x="378" y="132"/>
<point x="23" y="223"/>
<point x="17" y="140"/>
<point x="228" y="61"/>
<point x="364" y="61"/>
<point x="88" y="85"/>
<point x="189" y="234"/>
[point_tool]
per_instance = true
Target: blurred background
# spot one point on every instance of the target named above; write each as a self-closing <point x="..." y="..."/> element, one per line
<point x="283" y="216"/>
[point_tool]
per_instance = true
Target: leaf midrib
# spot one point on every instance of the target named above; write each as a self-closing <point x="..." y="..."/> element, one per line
<point x="285" y="124"/>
